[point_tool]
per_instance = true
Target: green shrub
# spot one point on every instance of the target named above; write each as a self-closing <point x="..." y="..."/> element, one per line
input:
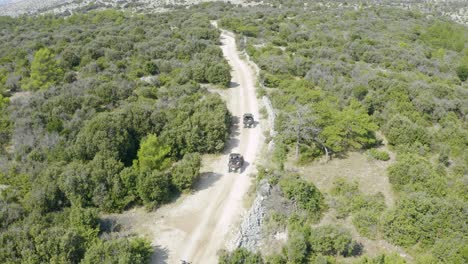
<point x="412" y="172"/>
<point x="446" y="35"/>
<point x="297" y="247"/>
<point x="186" y="171"/>
<point x="305" y="194"/>
<point x="347" y="198"/>
<point x="378" y="154"/>
<point x="367" y="222"/>
<point x="119" y="251"/>
<point x="45" y="71"/>
<point x="154" y="188"/>
<point x="240" y="256"/>
<point x="219" y="74"/>
<point x="418" y="216"/>
<point x="382" y="259"/>
<point x="332" y="240"/>
<point x="401" y="131"/>
<point x="462" y="72"/>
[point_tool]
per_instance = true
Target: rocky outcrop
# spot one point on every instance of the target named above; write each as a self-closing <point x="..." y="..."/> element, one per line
<point x="251" y="228"/>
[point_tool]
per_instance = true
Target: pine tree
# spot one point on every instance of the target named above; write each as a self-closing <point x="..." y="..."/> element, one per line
<point x="45" y="71"/>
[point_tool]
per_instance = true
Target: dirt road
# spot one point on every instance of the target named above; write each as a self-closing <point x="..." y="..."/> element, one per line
<point x="196" y="226"/>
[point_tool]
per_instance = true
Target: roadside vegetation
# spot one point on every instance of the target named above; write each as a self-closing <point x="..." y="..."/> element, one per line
<point x="336" y="77"/>
<point x="103" y="111"/>
<point x="100" y="112"/>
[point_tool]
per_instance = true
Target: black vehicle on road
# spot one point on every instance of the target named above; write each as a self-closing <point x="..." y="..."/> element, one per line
<point x="236" y="161"/>
<point x="248" y="120"/>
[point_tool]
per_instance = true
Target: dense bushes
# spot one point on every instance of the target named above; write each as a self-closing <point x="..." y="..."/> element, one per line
<point x="186" y="171"/>
<point x="240" y="256"/>
<point x="415" y="173"/>
<point x="418" y="216"/>
<point x="378" y="154"/>
<point x="332" y="240"/>
<point x="462" y="72"/>
<point x="96" y="131"/>
<point x="446" y="35"/>
<point x="382" y="259"/>
<point x="348" y="198"/>
<point x="333" y="82"/>
<point x="304" y="194"/>
<point x="44" y="71"/>
<point x="119" y="251"/>
<point x="401" y="131"/>
<point x="328" y="240"/>
<point x="366" y="210"/>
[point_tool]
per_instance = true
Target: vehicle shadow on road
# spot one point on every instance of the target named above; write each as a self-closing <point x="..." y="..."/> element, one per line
<point x="160" y="255"/>
<point x="233" y="84"/>
<point x="233" y="141"/>
<point x="244" y="166"/>
<point x="235" y="126"/>
<point x="231" y="146"/>
<point x="206" y="180"/>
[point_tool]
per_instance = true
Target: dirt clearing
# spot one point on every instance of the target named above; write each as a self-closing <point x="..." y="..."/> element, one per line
<point x="371" y="175"/>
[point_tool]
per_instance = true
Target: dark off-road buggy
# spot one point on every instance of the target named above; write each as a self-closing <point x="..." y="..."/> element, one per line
<point x="236" y="161"/>
<point x="248" y="120"/>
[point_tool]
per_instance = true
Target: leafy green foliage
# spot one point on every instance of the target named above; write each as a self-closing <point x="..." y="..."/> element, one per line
<point x="350" y="129"/>
<point x="331" y="240"/>
<point x="462" y="72"/>
<point x="378" y="154"/>
<point x="317" y="243"/>
<point x="348" y="198"/>
<point x="415" y="173"/>
<point x="297" y="248"/>
<point x="418" y="216"/>
<point x="44" y="70"/>
<point x="240" y="256"/>
<point x="407" y="78"/>
<point x="200" y="127"/>
<point x="60" y="238"/>
<point x="401" y="131"/>
<point x="92" y="135"/>
<point x="305" y="195"/>
<point x="446" y="35"/>
<point x="153" y="155"/>
<point x="104" y="133"/>
<point x="186" y="171"/>
<point x="154" y="187"/>
<point x="119" y="251"/>
<point x="5" y="123"/>
<point x="382" y="259"/>
<point x="219" y="74"/>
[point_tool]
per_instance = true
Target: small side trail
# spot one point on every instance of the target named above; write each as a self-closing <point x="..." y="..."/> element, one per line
<point x="196" y="226"/>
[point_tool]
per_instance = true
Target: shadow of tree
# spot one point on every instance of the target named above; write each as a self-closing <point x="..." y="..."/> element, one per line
<point x="160" y="255"/>
<point x="206" y="180"/>
<point x="233" y="84"/>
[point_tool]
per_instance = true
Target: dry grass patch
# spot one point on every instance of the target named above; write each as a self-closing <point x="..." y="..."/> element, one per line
<point x="371" y="175"/>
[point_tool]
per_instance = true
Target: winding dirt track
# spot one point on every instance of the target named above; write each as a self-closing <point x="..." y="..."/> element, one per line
<point x="195" y="227"/>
